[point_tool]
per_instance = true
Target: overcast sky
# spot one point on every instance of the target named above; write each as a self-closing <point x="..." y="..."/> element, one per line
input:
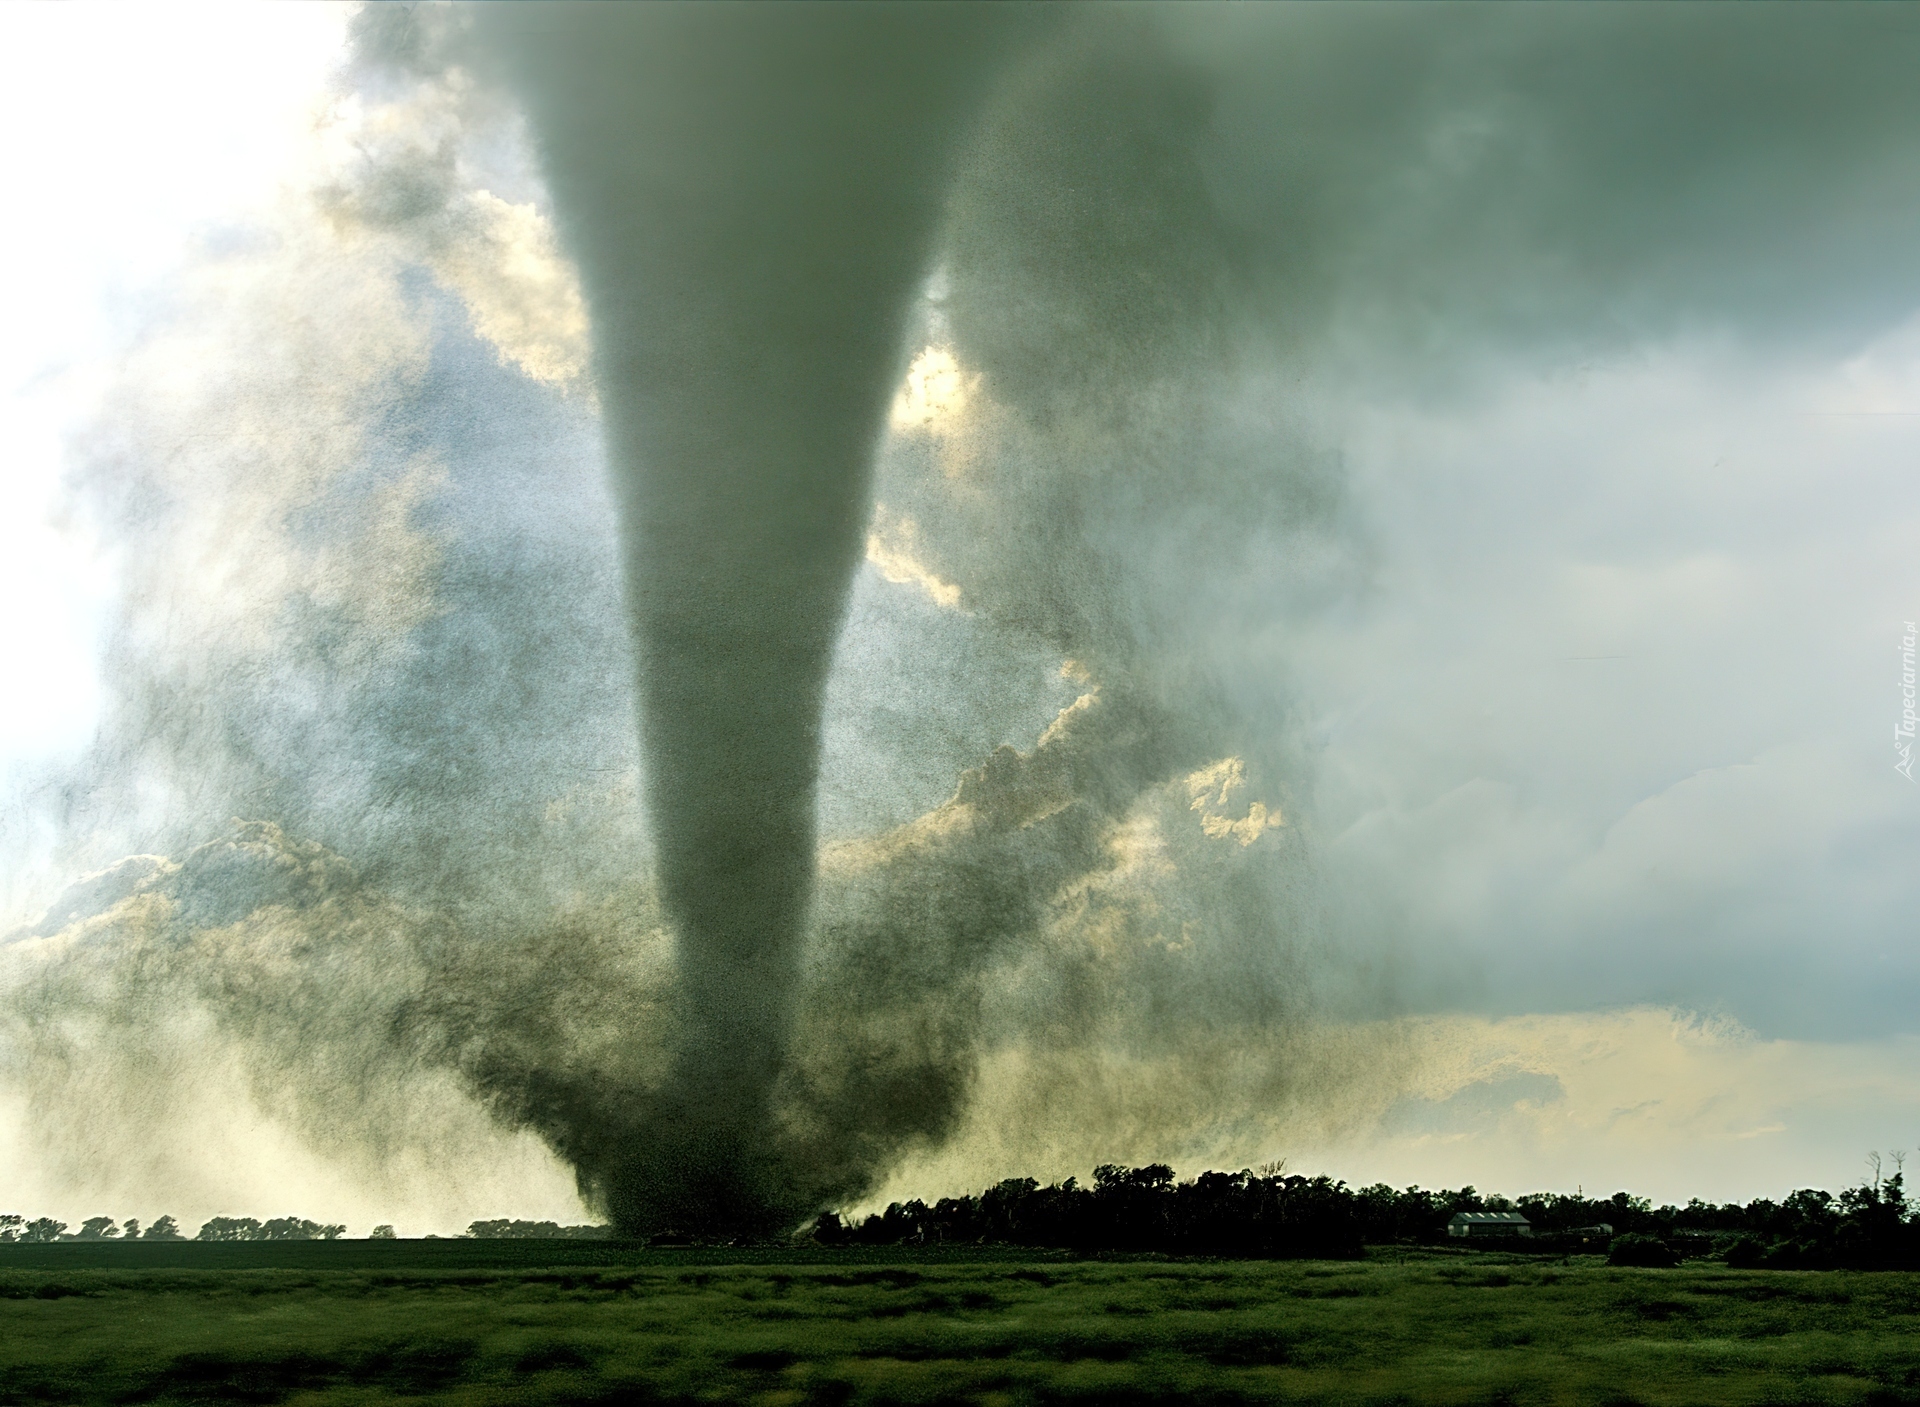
<point x="1573" y="688"/>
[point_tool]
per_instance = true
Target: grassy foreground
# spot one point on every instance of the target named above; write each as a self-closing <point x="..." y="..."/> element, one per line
<point x="1418" y="1329"/>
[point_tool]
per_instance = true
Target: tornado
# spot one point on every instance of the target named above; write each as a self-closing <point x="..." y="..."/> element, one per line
<point x="751" y="193"/>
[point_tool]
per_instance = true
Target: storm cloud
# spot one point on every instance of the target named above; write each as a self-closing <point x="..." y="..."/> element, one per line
<point x="1321" y="474"/>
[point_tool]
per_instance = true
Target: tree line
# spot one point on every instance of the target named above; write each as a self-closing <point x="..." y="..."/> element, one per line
<point x="1269" y="1214"/>
<point x="220" y="1228"/>
<point x="504" y="1230"/>
<point x="286" y="1228"/>
<point x="1273" y="1215"/>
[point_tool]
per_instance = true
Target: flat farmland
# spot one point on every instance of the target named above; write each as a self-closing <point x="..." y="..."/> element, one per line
<point x="485" y="1323"/>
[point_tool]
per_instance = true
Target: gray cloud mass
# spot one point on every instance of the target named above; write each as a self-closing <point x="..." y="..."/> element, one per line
<point x="491" y="516"/>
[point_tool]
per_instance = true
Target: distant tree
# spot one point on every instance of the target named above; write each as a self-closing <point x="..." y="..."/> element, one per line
<point x="1627" y="1210"/>
<point x="293" y="1228"/>
<point x="131" y="1230"/>
<point x="42" y="1229"/>
<point x="97" y="1228"/>
<point x="1466" y="1199"/>
<point x="1809" y="1214"/>
<point x="382" y="1232"/>
<point x="828" y="1229"/>
<point x="1109" y="1177"/>
<point x="230" y="1228"/>
<point x="10" y="1227"/>
<point x="163" y="1229"/>
<point x="1874" y="1229"/>
<point x="1411" y="1215"/>
<point x="1131" y="1205"/>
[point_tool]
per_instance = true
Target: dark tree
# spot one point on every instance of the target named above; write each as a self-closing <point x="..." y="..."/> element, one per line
<point x="293" y="1228"/>
<point x="230" y="1228"/>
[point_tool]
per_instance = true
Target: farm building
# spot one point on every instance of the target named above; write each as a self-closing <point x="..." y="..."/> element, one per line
<point x="1477" y="1224"/>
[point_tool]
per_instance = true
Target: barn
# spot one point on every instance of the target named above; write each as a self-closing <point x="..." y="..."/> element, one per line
<point x="1479" y="1224"/>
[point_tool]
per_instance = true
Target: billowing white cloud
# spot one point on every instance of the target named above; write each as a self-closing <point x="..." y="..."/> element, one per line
<point x="1611" y="725"/>
<point x="1214" y="788"/>
<point x="935" y="393"/>
<point x="522" y="293"/>
<point x="892" y="541"/>
<point x="1661" y="1103"/>
<point x="398" y="173"/>
<point x="136" y="128"/>
<point x="236" y="1031"/>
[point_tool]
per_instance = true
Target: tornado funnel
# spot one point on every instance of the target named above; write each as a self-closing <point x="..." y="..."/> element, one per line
<point x="750" y="192"/>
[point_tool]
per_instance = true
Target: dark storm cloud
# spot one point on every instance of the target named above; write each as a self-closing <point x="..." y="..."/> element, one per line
<point x="1428" y="178"/>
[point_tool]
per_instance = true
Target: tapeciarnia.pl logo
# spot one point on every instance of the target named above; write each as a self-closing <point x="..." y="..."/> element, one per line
<point x="1903" y="730"/>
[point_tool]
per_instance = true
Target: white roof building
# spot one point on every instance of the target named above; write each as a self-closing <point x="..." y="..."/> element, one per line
<point x="1489" y="1224"/>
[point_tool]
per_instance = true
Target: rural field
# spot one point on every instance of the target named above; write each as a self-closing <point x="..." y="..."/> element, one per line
<point x="502" y="1322"/>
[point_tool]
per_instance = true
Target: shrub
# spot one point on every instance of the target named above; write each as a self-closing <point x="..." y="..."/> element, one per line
<point x="1636" y="1249"/>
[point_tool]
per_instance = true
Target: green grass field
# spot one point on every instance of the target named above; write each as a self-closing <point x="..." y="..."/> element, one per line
<point x="476" y="1322"/>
